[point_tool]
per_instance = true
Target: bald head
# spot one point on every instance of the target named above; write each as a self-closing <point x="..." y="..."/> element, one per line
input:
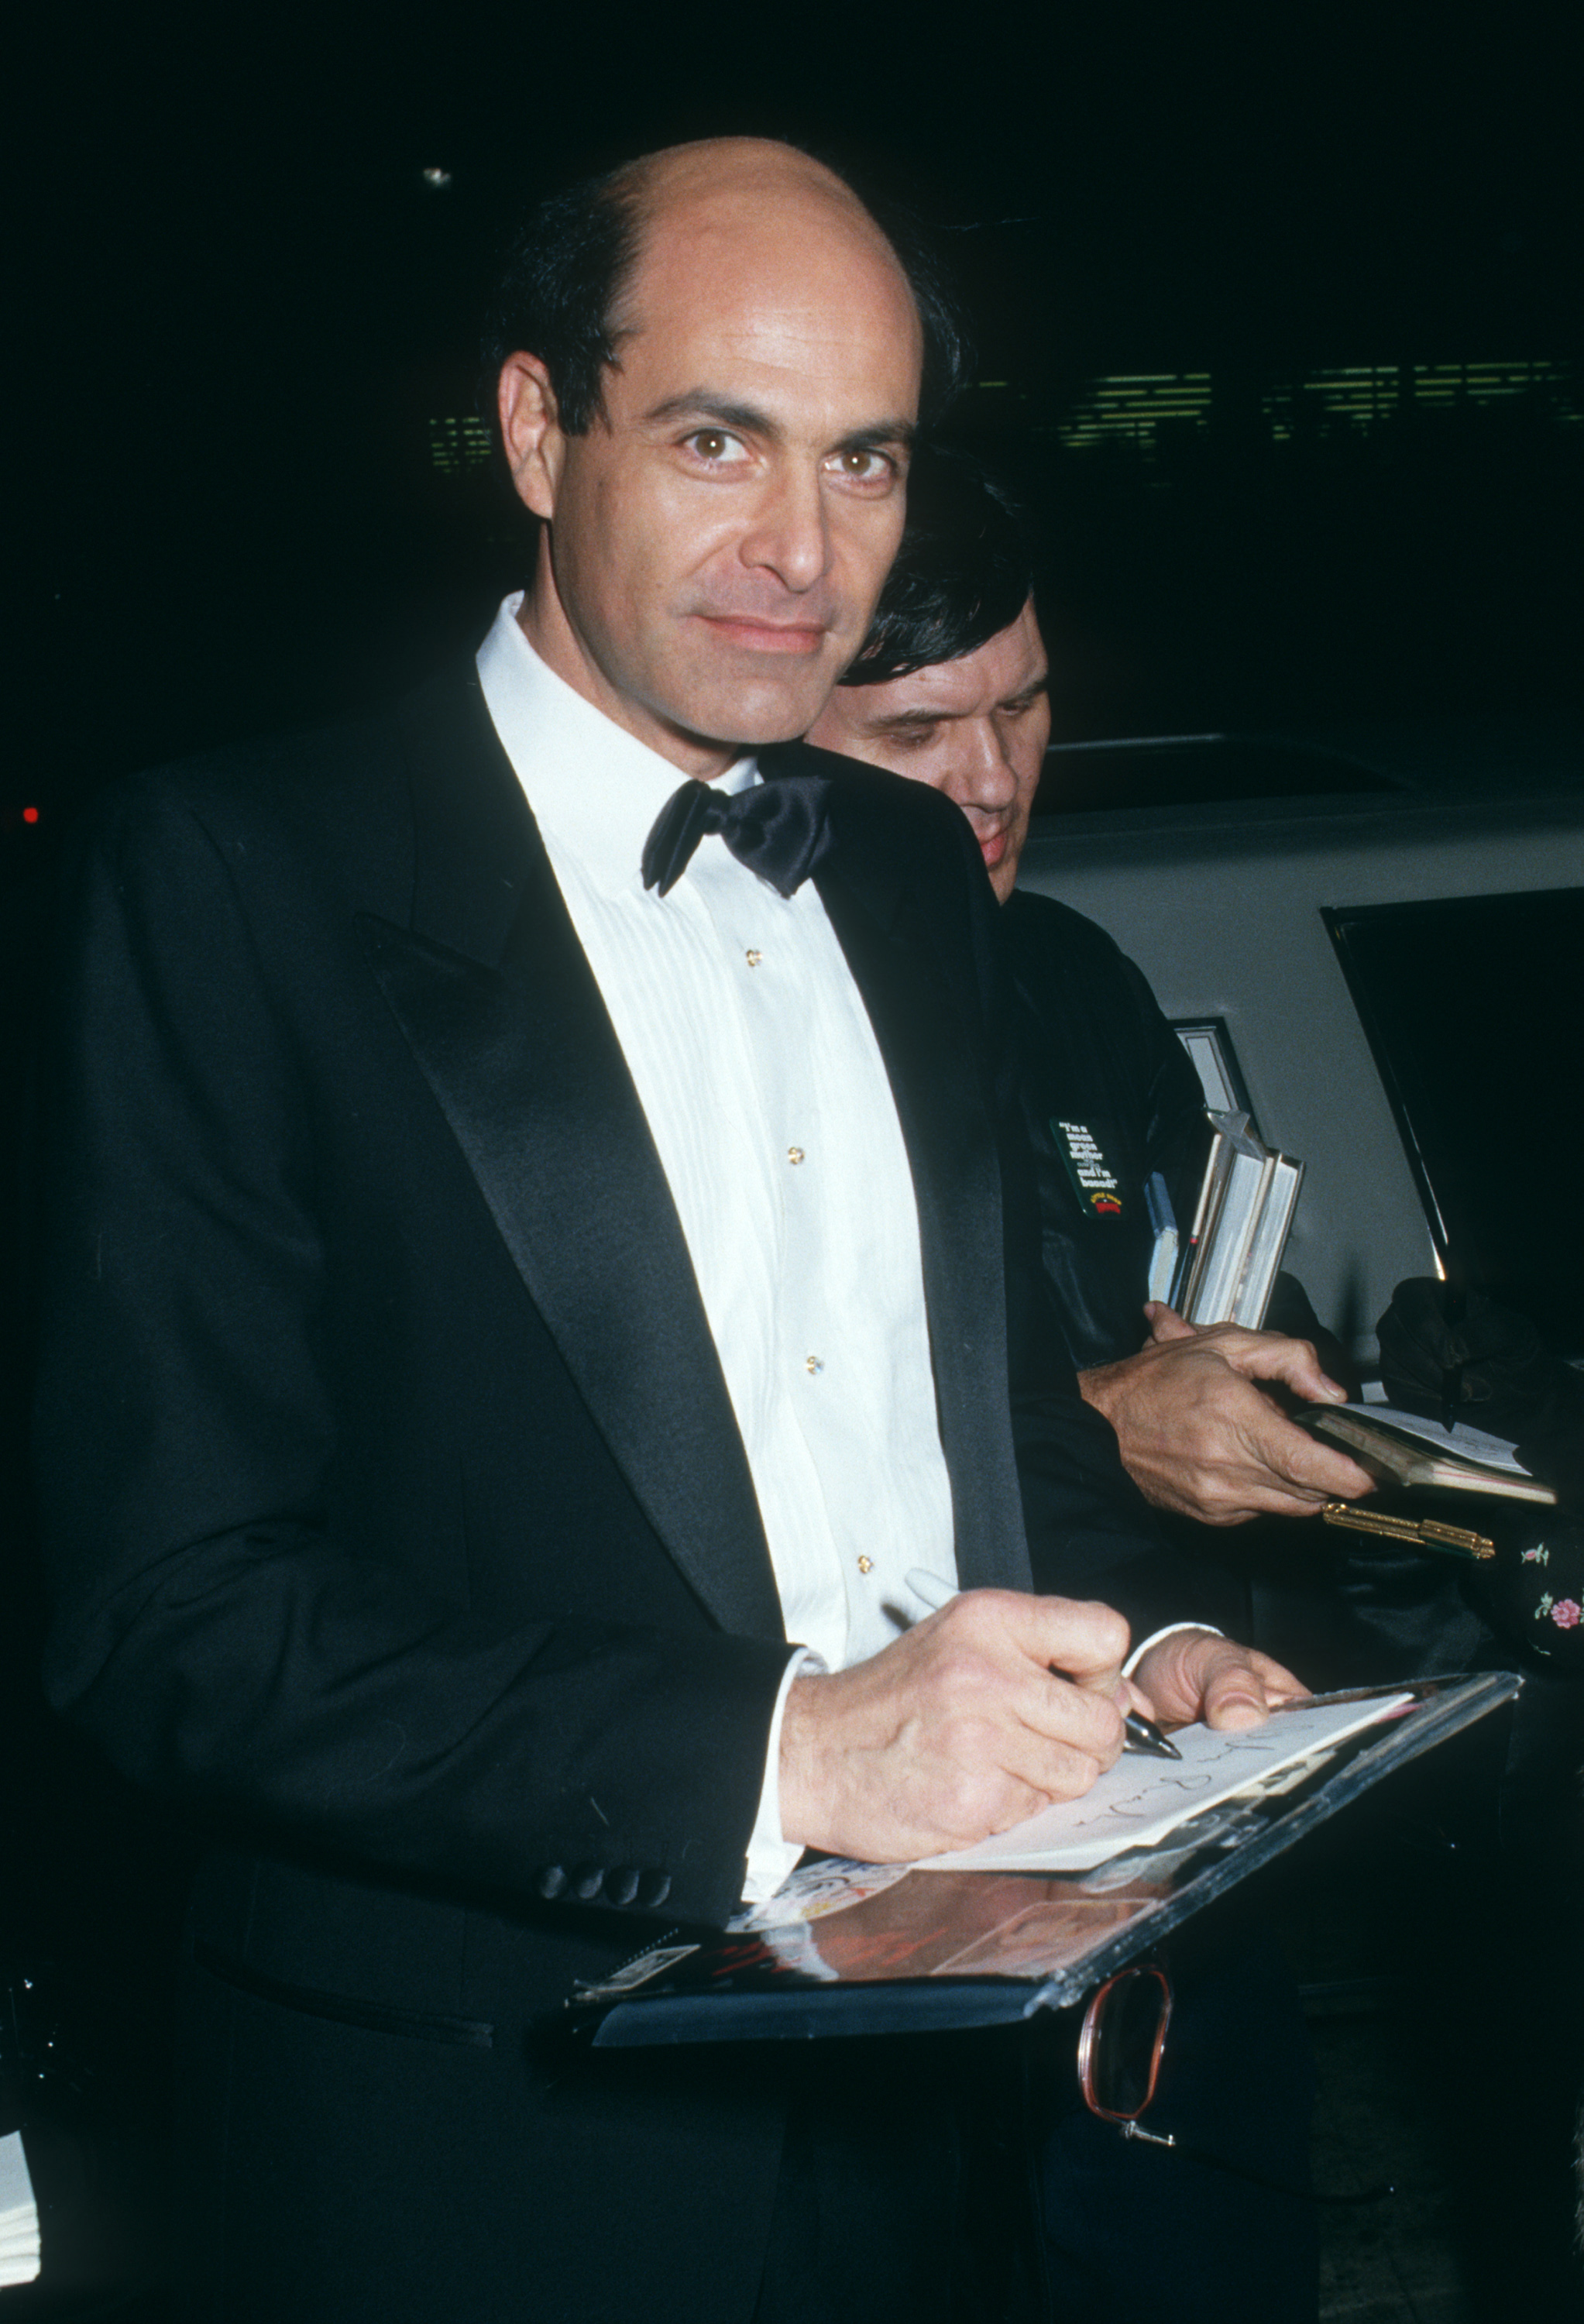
<point x="706" y="181"/>
<point x="743" y="168"/>
<point x="567" y="291"/>
<point x="705" y="215"/>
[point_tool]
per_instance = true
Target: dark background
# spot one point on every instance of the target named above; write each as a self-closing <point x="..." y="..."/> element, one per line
<point x="242" y="322"/>
<point x="243" y="307"/>
<point x="1447" y="994"/>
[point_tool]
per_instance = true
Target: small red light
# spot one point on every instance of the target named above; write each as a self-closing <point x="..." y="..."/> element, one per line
<point x="30" y="815"/>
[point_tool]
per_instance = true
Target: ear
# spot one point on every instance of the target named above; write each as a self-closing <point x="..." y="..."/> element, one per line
<point x="531" y="431"/>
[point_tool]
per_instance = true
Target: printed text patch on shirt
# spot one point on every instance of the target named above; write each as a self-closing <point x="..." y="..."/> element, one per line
<point x="1094" y="1182"/>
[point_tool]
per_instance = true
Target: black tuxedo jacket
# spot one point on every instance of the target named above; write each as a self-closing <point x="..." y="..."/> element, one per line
<point x="397" y="1517"/>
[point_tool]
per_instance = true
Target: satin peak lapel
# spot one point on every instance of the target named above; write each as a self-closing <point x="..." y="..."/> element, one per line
<point x="522" y="1056"/>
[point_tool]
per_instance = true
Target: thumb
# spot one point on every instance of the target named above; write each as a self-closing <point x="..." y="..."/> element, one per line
<point x="1234" y="1698"/>
<point x="1166" y="1323"/>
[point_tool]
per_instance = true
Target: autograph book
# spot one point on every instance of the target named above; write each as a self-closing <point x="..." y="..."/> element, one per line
<point x="1401" y="1449"/>
<point x="1139" y="1803"/>
<point x="845" y="1948"/>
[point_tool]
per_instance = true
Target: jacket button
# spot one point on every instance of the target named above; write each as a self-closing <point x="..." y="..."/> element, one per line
<point x="621" y="1886"/>
<point x="588" y="1880"/>
<point x="653" y="1888"/>
<point x="549" y="1880"/>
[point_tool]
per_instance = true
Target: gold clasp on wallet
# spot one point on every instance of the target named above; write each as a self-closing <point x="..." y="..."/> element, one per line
<point x="1422" y="1533"/>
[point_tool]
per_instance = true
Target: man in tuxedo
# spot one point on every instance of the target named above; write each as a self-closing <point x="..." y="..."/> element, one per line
<point x="538" y="1251"/>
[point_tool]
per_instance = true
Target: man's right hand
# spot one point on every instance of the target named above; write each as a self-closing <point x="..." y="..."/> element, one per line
<point x="958" y="1730"/>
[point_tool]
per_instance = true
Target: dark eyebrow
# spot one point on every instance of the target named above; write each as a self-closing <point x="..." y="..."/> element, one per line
<point x="705" y="404"/>
<point x="890" y="721"/>
<point x="876" y="438"/>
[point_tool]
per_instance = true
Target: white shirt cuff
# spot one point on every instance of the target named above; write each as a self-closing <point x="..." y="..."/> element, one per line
<point x="1154" y="1637"/>
<point x="770" y="1855"/>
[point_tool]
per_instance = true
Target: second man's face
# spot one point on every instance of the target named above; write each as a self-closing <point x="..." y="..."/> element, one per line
<point x="975" y="728"/>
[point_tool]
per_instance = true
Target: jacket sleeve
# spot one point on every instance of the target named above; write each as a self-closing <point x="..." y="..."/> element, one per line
<point x="209" y="1627"/>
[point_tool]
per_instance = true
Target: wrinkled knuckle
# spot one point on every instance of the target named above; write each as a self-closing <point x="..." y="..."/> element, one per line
<point x="1074" y="1773"/>
<point x="1110" y="1630"/>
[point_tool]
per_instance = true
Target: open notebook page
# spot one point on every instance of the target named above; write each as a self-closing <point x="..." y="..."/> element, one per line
<point x="1465" y="1443"/>
<point x="1136" y="1802"/>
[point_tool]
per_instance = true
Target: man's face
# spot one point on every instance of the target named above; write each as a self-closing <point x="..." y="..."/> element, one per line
<point x="975" y="728"/>
<point x="718" y="538"/>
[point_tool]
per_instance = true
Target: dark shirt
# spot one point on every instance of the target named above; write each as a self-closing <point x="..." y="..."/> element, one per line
<point x="1102" y="1070"/>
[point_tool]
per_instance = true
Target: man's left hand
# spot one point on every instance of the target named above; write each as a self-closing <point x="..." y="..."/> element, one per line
<point x="1194" y="1674"/>
<point x="1198" y="1434"/>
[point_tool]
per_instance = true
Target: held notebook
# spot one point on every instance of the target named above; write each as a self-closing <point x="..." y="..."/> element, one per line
<point x="1400" y="1449"/>
<point x="844" y="1948"/>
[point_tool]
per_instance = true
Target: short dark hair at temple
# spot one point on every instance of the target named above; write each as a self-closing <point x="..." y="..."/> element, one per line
<point x="963" y="573"/>
<point x="567" y="268"/>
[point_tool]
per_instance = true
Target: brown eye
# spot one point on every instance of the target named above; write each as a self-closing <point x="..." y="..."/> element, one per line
<point x="716" y="447"/>
<point x="863" y="466"/>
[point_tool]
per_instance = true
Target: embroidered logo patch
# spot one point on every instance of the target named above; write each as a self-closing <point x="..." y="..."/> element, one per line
<point x="1094" y="1182"/>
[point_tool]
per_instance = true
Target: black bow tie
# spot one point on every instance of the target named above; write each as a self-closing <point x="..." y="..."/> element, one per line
<point x="780" y="828"/>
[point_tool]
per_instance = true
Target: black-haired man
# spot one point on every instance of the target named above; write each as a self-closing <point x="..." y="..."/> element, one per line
<point x="952" y="689"/>
<point x="455" y="1399"/>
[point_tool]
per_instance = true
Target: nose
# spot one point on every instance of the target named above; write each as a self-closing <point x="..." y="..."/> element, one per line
<point x="789" y="533"/>
<point x="981" y="774"/>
